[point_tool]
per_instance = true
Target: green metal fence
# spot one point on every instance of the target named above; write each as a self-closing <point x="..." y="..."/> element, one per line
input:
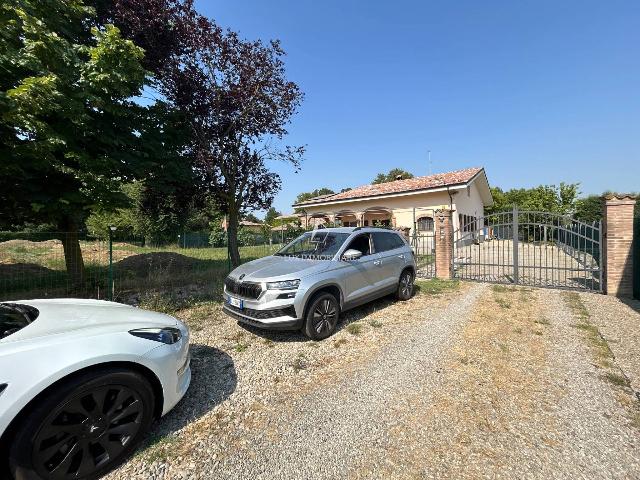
<point x="32" y="265"/>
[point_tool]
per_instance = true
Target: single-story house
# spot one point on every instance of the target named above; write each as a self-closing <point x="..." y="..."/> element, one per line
<point x="400" y="202"/>
<point x="246" y="224"/>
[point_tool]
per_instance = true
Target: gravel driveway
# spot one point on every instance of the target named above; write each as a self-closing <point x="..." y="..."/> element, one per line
<point x="478" y="381"/>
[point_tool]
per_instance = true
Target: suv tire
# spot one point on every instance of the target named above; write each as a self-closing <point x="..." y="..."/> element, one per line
<point x="405" y="285"/>
<point x="322" y="316"/>
<point x="127" y="411"/>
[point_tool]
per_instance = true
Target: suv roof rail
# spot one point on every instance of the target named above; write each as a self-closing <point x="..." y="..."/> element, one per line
<point x="357" y="228"/>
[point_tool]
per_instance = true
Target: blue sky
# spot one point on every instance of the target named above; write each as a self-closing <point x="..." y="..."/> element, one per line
<point x="536" y="92"/>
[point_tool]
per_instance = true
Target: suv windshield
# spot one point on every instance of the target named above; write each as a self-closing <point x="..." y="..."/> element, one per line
<point x="316" y="245"/>
<point x="14" y="316"/>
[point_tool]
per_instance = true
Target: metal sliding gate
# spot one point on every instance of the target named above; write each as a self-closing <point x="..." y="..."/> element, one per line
<point x="541" y="249"/>
<point x="423" y="242"/>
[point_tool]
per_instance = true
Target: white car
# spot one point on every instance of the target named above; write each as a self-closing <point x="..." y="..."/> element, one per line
<point x="80" y="383"/>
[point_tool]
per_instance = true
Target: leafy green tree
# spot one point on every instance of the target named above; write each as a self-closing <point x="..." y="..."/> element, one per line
<point x="543" y="198"/>
<point x="70" y="133"/>
<point x="217" y="237"/>
<point x="252" y="218"/>
<point x="160" y="227"/>
<point x="589" y="209"/>
<point x="392" y="175"/>
<point x="128" y="220"/>
<point x="304" y="196"/>
<point x="271" y="215"/>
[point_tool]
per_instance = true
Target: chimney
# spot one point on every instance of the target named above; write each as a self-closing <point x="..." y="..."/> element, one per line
<point x="398" y="177"/>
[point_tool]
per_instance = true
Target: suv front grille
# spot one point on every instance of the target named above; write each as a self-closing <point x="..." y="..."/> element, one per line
<point x="243" y="289"/>
<point x="264" y="314"/>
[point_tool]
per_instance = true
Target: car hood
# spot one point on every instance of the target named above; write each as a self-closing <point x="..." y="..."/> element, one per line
<point x="66" y="315"/>
<point x="275" y="268"/>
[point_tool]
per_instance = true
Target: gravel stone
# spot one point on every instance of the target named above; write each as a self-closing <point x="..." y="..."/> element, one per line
<point x="479" y="382"/>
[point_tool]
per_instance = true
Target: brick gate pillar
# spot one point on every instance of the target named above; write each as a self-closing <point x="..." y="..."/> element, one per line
<point x="617" y="245"/>
<point x="444" y="243"/>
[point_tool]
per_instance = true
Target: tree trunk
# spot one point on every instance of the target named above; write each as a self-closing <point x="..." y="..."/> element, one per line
<point x="72" y="253"/>
<point x="232" y="237"/>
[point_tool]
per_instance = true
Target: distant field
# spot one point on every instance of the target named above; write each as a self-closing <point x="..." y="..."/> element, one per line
<point x="31" y="269"/>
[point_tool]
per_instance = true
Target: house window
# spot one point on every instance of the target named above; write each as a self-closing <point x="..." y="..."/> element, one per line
<point x="468" y="223"/>
<point x="425" y="224"/>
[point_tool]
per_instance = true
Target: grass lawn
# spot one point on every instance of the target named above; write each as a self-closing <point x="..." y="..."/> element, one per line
<point x="37" y="269"/>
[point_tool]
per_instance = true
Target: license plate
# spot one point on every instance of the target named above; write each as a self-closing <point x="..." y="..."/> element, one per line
<point x="235" y="302"/>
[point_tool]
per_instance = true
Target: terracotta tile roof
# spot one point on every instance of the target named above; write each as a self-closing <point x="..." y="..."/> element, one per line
<point x="399" y="186"/>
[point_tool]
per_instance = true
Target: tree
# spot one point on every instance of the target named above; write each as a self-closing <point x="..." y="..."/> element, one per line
<point x="157" y="26"/>
<point x="172" y="194"/>
<point x="394" y="174"/>
<point x="304" y="196"/>
<point x="238" y="102"/>
<point x="250" y="217"/>
<point x="271" y="215"/>
<point x="543" y="198"/>
<point x="589" y="209"/>
<point x="69" y="132"/>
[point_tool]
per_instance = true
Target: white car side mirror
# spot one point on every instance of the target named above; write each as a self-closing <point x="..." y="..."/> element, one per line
<point x="351" y="254"/>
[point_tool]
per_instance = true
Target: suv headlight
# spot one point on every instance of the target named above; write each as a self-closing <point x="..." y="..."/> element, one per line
<point x="284" y="285"/>
<point x="168" y="335"/>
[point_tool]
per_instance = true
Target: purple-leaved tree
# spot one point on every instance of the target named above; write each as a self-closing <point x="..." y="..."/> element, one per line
<point x="233" y="93"/>
<point x="237" y="101"/>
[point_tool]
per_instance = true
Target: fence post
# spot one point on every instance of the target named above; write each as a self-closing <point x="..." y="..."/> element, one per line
<point x="444" y="244"/>
<point x="515" y="226"/>
<point x="110" y="282"/>
<point x="618" y="244"/>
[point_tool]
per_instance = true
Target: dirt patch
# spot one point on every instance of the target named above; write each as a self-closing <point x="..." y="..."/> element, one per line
<point x="28" y="244"/>
<point x="491" y="404"/>
<point x="15" y="270"/>
<point x="144" y="264"/>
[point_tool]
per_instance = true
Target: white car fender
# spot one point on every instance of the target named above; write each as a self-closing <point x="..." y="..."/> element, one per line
<point x="32" y="378"/>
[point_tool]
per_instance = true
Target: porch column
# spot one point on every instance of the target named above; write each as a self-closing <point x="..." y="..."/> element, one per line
<point x="444" y="243"/>
<point x="617" y="243"/>
<point x="359" y="218"/>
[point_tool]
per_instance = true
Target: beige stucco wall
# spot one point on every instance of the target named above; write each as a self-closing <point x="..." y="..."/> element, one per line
<point x="468" y="202"/>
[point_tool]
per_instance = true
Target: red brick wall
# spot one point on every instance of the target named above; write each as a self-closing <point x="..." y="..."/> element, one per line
<point x="444" y="243"/>
<point x="617" y="245"/>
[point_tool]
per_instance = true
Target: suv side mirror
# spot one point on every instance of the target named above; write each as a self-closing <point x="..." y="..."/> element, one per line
<point x="351" y="254"/>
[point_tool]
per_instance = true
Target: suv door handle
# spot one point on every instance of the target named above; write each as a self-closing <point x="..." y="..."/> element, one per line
<point x="377" y="262"/>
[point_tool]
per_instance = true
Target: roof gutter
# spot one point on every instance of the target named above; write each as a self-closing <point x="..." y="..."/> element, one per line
<point x="450" y="199"/>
